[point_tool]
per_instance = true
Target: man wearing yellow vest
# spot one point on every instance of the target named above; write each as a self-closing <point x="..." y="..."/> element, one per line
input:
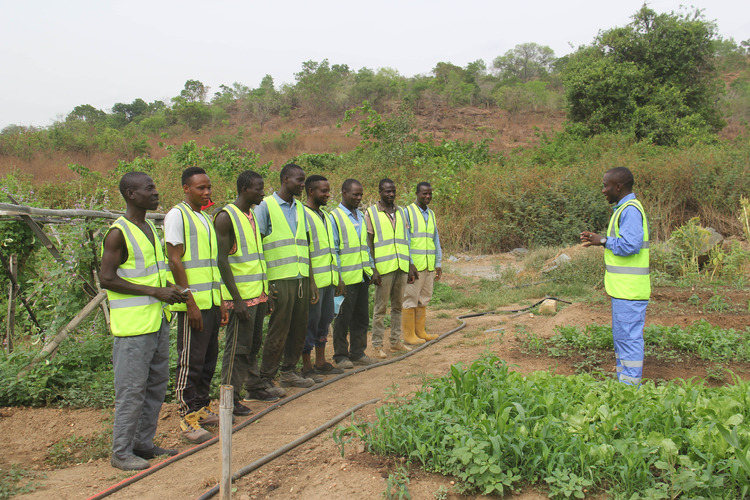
<point x="244" y="288"/>
<point x="282" y="223"/>
<point x="192" y="253"/>
<point x="388" y="239"/>
<point x="626" y="279"/>
<point x="427" y="255"/>
<point x="134" y="272"/>
<point x="356" y="266"/>
<point x="325" y="270"/>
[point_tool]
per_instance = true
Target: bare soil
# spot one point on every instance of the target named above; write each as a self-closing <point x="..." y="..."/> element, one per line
<point x="316" y="469"/>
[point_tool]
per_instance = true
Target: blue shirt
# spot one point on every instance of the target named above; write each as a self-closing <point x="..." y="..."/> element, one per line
<point x="435" y="238"/>
<point x="358" y="219"/>
<point x="631" y="230"/>
<point x="263" y="218"/>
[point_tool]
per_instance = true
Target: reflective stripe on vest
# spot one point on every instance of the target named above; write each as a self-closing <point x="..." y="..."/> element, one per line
<point x="199" y="260"/>
<point x="627" y="277"/>
<point x="391" y="246"/>
<point x="138" y="314"/>
<point x="422" y="246"/>
<point x="287" y="254"/>
<point x="323" y="264"/>
<point x="355" y="257"/>
<point x="247" y="263"/>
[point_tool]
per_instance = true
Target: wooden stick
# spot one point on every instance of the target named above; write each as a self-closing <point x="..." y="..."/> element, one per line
<point x="226" y="407"/>
<point x="14" y="282"/>
<point x="7" y="209"/>
<point x="50" y="349"/>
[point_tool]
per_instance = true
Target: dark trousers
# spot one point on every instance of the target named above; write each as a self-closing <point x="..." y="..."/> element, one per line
<point x="319" y="319"/>
<point x="239" y="366"/>
<point x="197" y="353"/>
<point x="352" y="320"/>
<point x="287" y="326"/>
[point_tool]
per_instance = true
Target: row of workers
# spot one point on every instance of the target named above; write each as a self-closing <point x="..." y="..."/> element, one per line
<point x="282" y="259"/>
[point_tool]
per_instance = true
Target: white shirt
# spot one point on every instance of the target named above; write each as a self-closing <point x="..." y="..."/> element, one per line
<point x="174" y="229"/>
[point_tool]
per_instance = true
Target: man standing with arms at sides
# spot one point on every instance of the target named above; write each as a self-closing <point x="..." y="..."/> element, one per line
<point x="356" y="266"/>
<point x="626" y="279"/>
<point x="134" y="272"/>
<point x="325" y="270"/>
<point x="427" y="255"/>
<point x="388" y="240"/>
<point x="192" y="252"/>
<point x="282" y="223"/>
<point x="244" y="287"/>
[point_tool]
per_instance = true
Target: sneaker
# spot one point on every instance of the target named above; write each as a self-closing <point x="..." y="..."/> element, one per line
<point x="273" y="389"/>
<point x="327" y="369"/>
<point x="192" y="430"/>
<point x="364" y="361"/>
<point x="312" y="375"/>
<point x="345" y="364"/>
<point x="207" y="417"/>
<point x="130" y="463"/>
<point x="154" y="452"/>
<point x="380" y="353"/>
<point x="262" y="395"/>
<point x="398" y="346"/>
<point x="292" y="379"/>
<point x="241" y="410"/>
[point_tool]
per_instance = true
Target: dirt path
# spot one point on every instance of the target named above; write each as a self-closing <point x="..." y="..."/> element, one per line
<point x="316" y="469"/>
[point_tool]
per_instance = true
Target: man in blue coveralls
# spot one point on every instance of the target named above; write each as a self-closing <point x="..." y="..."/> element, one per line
<point x="626" y="279"/>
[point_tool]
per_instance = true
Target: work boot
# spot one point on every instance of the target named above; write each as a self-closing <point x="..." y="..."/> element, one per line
<point x="130" y="463"/>
<point x="192" y="430"/>
<point x="398" y="346"/>
<point x="419" y="321"/>
<point x="365" y="360"/>
<point x="241" y="410"/>
<point x="264" y="395"/>
<point x="292" y="379"/>
<point x="380" y="352"/>
<point x="273" y="389"/>
<point x="312" y="375"/>
<point x="207" y="417"/>
<point x="154" y="452"/>
<point x="327" y="369"/>
<point x="345" y="364"/>
<point x="408" y="317"/>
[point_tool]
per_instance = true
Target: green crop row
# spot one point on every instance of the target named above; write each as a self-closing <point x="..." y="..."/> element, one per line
<point x="497" y="431"/>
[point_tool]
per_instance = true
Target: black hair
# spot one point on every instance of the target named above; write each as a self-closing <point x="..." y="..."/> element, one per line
<point x="130" y="181"/>
<point x="191" y="171"/>
<point x="347" y="184"/>
<point x="421" y="185"/>
<point x="246" y="179"/>
<point x="287" y="170"/>
<point x="384" y="182"/>
<point x="622" y="175"/>
<point x="312" y="180"/>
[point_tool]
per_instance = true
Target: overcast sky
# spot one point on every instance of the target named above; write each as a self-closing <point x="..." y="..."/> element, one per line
<point x="55" y="55"/>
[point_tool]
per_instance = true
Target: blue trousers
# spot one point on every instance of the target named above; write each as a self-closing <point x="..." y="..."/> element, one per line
<point x="319" y="319"/>
<point x="628" y="318"/>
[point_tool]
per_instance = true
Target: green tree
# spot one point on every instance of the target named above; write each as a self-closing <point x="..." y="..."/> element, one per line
<point x="320" y="88"/>
<point x="264" y="102"/>
<point x="194" y="91"/>
<point x="526" y="62"/>
<point x="87" y="113"/>
<point x="654" y="79"/>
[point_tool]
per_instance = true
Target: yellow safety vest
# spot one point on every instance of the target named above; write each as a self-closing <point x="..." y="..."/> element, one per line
<point x="287" y="254"/>
<point x="132" y="315"/>
<point x="199" y="260"/>
<point x="391" y="246"/>
<point x="247" y="263"/>
<point x="325" y="269"/>
<point x="422" y="245"/>
<point x="352" y="249"/>
<point x="627" y="277"/>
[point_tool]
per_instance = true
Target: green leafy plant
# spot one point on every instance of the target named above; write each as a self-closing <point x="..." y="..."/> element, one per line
<point x="16" y="481"/>
<point x="397" y="485"/>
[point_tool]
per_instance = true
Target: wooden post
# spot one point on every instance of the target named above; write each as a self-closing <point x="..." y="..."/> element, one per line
<point x="12" y="291"/>
<point x="226" y="407"/>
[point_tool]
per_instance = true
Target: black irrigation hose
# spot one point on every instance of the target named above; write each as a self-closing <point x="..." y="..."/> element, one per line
<point x="289" y="446"/>
<point x="133" y="479"/>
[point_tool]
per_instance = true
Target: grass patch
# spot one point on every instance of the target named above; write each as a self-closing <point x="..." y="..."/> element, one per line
<point x="16" y="481"/>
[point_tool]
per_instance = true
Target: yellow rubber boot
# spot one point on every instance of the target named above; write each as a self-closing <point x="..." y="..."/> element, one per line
<point x="407" y="327"/>
<point x="419" y="321"/>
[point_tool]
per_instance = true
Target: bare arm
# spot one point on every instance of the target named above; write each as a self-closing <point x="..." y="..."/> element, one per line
<point x="174" y="258"/>
<point x="225" y="240"/>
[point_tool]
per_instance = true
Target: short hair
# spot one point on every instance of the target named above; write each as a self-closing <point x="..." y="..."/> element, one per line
<point x="287" y="170"/>
<point x="312" y="180"/>
<point x="130" y="181"/>
<point x="191" y="171"/>
<point x="383" y="182"/>
<point x="622" y="175"/>
<point x="347" y="184"/>
<point x="246" y="179"/>
<point x="423" y="184"/>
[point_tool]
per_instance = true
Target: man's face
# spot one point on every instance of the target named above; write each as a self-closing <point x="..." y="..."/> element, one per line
<point x="295" y="183"/>
<point x="424" y="195"/>
<point x="255" y="192"/>
<point x="353" y="196"/>
<point x="388" y="193"/>
<point x="145" y="194"/>
<point x="198" y="190"/>
<point x="611" y="189"/>
<point x="321" y="192"/>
